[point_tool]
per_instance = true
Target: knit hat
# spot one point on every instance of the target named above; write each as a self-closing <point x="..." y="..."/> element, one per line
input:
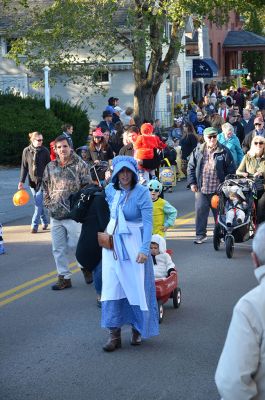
<point x="210" y="131"/>
<point x="154" y="184"/>
<point x="98" y="133"/>
<point x="147" y="129"/>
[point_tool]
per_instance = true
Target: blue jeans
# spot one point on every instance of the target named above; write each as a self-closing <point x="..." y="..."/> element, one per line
<point x="97" y="278"/>
<point x="40" y="213"/>
<point x="202" y="209"/>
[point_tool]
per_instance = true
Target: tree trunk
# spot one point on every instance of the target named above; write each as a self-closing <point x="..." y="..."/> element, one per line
<point x="144" y="103"/>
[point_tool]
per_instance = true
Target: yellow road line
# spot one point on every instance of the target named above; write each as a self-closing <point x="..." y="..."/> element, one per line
<point x="184" y="221"/>
<point x="31" y="290"/>
<point x="180" y="221"/>
<point x="29" y="283"/>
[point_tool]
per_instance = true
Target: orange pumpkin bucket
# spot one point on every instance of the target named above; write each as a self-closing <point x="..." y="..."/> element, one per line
<point x="21" y="198"/>
<point x="215" y="201"/>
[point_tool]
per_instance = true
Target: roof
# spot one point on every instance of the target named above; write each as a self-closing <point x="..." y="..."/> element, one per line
<point x="13" y="10"/>
<point x="193" y="40"/>
<point x="10" y="13"/>
<point x="243" y="40"/>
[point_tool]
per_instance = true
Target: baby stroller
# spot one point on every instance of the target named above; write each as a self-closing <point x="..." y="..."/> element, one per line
<point x="167" y="288"/>
<point x="237" y="231"/>
<point x="97" y="172"/>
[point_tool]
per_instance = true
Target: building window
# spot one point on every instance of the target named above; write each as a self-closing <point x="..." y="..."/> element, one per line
<point x="102" y="77"/>
<point x="168" y="30"/>
<point x="168" y="95"/>
<point x="219" y="54"/>
<point x="8" y="44"/>
<point x="211" y="49"/>
<point x="188" y="83"/>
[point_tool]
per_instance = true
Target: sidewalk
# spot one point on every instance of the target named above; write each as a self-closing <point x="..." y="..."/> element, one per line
<point x="9" y="178"/>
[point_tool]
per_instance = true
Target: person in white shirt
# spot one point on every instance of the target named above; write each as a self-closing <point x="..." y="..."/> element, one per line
<point x="223" y="110"/>
<point x="240" y="373"/>
<point x="163" y="264"/>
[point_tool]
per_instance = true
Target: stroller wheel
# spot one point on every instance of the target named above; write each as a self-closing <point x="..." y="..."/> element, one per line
<point x="229" y="246"/>
<point x="160" y="311"/>
<point x="216" y="237"/>
<point x="176" y="297"/>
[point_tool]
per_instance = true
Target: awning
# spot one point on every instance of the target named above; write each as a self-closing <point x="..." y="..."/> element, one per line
<point x="204" y="68"/>
<point x="243" y="40"/>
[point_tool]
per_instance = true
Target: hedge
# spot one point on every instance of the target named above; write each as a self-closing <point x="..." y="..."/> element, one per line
<point x="19" y="116"/>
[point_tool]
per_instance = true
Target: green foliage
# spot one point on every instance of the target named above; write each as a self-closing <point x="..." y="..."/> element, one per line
<point x="254" y="60"/>
<point x="19" y="116"/>
<point x="80" y="37"/>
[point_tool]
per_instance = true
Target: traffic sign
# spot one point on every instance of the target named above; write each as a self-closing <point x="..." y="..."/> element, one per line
<point x="242" y="71"/>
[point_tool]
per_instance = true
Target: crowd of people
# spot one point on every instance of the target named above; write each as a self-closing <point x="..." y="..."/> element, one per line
<point x="111" y="185"/>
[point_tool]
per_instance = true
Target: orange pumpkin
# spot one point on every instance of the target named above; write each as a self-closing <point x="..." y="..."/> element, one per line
<point x="215" y="201"/>
<point x="21" y="198"/>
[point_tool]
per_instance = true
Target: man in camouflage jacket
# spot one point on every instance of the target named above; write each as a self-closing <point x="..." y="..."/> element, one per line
<point x="62" y="177"/>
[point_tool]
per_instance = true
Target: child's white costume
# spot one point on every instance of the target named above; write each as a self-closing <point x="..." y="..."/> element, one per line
<point x="162" y="262"/>
<point x="235" y="205"/>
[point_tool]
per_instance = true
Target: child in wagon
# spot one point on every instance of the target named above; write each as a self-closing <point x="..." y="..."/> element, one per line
<point x="163" y="264"/>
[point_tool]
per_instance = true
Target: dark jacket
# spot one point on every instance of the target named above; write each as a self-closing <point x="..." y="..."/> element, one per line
<point x="187" y="143"/>
<point x="248" y="126"/>
<point x="224" y="164"/>
<point x="239" y="131"/>
<point x="104" y="126"/>
<point x="101" y="155"/>
<point x="248" y="139"/>
<point x="127" y="150"/>
<point x="42" y="159"/>
<point x="261" y="103"/>
<point x="96" y="218"/>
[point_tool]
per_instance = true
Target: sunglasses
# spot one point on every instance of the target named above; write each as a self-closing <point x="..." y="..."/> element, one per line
<point x="212" y="137"/>
<point x="256" y="143"/>
<point x="154" y="190"/>
<point x="97" y="137"/>
<point x="39" y="140"/>
<point x="257" y="124"/>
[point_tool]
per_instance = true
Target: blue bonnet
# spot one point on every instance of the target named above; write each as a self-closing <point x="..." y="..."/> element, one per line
<point x="120" y="162"/>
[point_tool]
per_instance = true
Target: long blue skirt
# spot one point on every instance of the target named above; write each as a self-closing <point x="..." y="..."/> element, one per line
<point x="116" y="313"/>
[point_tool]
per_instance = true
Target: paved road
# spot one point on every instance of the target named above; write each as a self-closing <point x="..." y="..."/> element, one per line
<point x="9" y="178"/>
<point x="51" y="341"/>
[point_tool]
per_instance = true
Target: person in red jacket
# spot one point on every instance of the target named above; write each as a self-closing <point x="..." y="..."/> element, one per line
<point x="145" y="146"/>
<point x="52" y="151"/>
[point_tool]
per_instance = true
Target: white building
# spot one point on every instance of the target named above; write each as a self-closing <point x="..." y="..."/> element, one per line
<point x="119" y="82"/>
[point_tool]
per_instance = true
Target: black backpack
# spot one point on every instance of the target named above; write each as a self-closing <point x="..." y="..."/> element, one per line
<point x="80" y="202"/>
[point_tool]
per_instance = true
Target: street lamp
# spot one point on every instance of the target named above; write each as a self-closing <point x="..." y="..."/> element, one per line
<point x="46" y="70"/>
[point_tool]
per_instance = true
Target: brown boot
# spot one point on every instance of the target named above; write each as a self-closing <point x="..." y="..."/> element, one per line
<point x="87" y="275"/>
<point x="114" y="341"/>
<point x="62" y="283"/>
<point x="136" y="339"/>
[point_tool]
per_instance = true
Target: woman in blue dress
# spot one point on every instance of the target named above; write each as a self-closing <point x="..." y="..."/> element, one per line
<point x="128" y="290"/>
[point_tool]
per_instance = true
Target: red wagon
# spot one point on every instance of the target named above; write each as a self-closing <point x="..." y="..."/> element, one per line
<point x="167" y="288"/>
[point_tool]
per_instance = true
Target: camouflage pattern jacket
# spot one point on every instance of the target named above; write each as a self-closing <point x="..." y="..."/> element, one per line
<point x="59" y="182"/>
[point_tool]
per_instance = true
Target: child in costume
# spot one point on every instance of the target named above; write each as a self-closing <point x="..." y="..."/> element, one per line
<point x="144" y="148"/>
<point x="180" y="173"/>
<point x="164" y="214"/>
<point x="235" y="205"/>
<point x="163" y="264"/>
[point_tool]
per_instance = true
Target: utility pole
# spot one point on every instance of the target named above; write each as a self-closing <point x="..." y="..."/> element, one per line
<point x="46" y="70"/>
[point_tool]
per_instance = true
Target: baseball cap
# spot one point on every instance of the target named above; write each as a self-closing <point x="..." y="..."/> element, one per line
<point x="210" y="131"/>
